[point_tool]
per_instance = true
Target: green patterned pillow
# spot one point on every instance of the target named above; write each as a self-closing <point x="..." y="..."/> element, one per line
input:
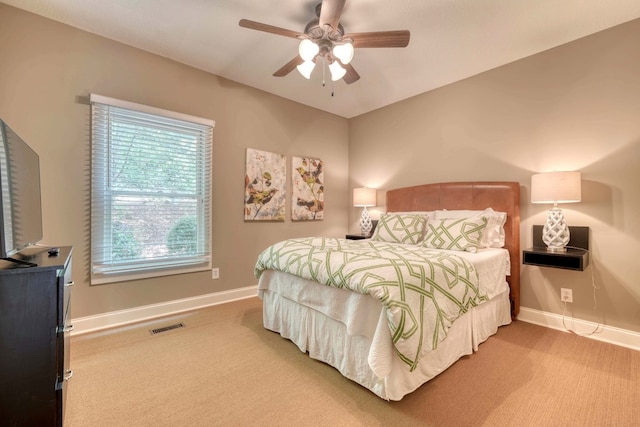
<point x="457" y="234"/>
<point x="400" y="228"/>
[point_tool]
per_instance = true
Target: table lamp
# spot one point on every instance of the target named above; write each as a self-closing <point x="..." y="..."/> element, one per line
<point x="556" y="187"/>
<point x="364" y="197"/>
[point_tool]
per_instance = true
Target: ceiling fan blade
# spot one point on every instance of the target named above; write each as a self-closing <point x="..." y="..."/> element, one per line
<point x="398" y="38"/>
<point x="330" y="12"/>
<point x="253" y="25"/>
<point x="352" y="75"/>
<point x="288" y="67"/>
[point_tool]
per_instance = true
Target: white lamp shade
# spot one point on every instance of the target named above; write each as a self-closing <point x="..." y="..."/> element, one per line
<point x="556" y="187"/>
<point x="364" y="197"/>
<point x="344" y="52"/>
<point x="337" y="72"/>
<point x="308" y="50"/>
<point x="306" y="68"/>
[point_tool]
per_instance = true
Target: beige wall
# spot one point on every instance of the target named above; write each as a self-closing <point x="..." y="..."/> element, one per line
<point x="576" y="107"/>
<point x="46" y="72"/>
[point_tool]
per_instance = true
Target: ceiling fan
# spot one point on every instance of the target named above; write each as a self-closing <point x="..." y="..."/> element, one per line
<point x="324" y="40"/>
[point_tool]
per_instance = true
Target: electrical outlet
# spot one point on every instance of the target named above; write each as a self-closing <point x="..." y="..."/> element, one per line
<point x="215" y="273"/>
<point x="566" y="295"/>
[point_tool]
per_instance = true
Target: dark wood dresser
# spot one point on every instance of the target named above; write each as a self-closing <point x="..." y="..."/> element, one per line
<point x="35" y="307"/>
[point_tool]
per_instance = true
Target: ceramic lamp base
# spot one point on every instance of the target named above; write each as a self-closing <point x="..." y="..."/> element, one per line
<point x="365" y="222"/>
<point x="555" y="233"/>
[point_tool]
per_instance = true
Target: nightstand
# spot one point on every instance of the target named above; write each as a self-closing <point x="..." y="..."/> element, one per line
<point x="356" y="237"/>
<point x="374" y="224"/>
<point x="575" y="258"/>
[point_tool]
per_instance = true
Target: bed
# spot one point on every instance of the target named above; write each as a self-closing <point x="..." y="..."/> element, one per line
<point x="377" y="336"/>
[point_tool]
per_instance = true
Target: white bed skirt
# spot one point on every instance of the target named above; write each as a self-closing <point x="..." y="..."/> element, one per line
<point x="328" y="323"/>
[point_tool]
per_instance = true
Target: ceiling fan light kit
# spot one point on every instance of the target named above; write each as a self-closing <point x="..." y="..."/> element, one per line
<point x="325" y="38"/>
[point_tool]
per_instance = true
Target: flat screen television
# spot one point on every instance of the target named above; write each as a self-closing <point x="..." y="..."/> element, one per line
<point x="20" y="200"/>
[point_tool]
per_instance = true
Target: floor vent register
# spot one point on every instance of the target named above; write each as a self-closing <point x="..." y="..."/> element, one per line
<point x="166" y="328"/>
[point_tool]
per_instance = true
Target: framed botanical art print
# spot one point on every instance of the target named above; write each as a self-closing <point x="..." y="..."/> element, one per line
<point x="307" y="189"/>
<point x="264" y="186"/>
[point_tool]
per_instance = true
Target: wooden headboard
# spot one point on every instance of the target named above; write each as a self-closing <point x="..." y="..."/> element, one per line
<point x="501" y="196"/>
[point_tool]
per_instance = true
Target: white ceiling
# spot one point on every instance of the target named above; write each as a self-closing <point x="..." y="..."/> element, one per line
<point x="450" y="39"/>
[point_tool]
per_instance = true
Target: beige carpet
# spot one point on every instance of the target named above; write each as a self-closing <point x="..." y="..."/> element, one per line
<point x="224" y="368"/>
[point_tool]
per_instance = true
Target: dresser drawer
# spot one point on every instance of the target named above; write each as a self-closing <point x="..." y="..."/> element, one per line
<point x="64" y="373"/>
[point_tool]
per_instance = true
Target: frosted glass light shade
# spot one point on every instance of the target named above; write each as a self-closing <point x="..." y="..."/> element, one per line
<point x="306" y="68"/>
<point x="337" y="72"/>
<point x="344" y="52"/>
<point x="308" y="50"/>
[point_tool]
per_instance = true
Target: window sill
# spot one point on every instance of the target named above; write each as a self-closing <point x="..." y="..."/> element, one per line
<point x="103" y="279"/>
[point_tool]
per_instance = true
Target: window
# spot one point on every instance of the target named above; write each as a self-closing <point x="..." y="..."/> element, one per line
<point x="150" y="191"/>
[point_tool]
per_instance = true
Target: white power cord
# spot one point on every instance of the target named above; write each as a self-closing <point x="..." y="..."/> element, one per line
<point x="599" y="327"/>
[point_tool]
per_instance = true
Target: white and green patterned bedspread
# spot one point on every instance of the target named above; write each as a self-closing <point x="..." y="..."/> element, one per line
<point x="423" y="290"/>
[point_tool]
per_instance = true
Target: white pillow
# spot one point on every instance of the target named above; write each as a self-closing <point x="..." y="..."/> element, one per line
<point x="456" y="234"/>
<point x="493" y="235"/>
<point x="427" y="214"/>
<point x="400" y="228"/>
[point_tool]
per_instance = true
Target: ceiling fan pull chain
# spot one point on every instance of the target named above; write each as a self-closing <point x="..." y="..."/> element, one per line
<point x="324" y="66"/>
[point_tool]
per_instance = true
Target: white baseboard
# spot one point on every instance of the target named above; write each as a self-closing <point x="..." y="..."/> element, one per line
<point x="610" y="334"/>
<point x="111" y="319"/>
<point x="82" y="325"/>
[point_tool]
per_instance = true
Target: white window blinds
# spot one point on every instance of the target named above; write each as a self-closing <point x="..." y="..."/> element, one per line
<point x="150" y="191"/>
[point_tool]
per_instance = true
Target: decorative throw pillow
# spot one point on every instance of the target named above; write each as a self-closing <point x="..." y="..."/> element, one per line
<point x="427" y="215"/>
<point x="400" y="228"/>
<point x="457" y="234"/>
<point x="493" y="236"/>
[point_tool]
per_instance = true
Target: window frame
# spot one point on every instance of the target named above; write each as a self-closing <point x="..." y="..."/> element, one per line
<point x="104" y="270"/>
